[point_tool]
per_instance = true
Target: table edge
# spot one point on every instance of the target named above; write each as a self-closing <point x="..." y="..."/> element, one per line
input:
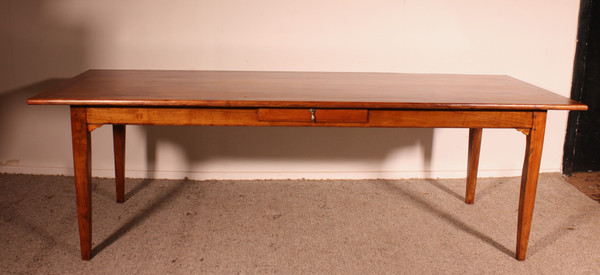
<point x="306" y="104"/>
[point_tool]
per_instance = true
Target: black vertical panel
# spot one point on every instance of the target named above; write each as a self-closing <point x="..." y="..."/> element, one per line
<point x="582" y="146"/>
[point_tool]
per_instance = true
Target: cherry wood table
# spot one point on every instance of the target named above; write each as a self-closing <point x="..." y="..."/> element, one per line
<point x="308" y="99"/>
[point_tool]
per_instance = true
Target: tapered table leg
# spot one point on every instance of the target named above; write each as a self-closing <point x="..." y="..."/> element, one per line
<point x="529" y="178"/>
<point x="473" y="163"/>
<point x="82" y="150"/>
<point x="119" y="147"/>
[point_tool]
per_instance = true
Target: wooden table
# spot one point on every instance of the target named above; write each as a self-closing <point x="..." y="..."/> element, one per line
<point x="307" y="99"/>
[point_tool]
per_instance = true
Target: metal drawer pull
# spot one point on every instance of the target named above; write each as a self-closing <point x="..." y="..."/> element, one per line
<point x="313" y="118"/>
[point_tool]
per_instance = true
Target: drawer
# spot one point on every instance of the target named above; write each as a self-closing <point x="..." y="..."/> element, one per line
<point x="342" y="115"/>
<point x="314" y="115"/>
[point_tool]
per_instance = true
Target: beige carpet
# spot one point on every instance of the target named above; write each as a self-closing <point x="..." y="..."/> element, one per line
<point x="324" y="227"/>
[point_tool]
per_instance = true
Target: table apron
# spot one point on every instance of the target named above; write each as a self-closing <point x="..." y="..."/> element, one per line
<point x="250" y="117"/>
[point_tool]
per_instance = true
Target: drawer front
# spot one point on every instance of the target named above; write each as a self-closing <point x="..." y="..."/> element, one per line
<point x="342" y="115"/>
<point x="314" y="115"/>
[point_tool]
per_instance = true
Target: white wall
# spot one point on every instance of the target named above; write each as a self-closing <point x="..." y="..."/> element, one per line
<point x="44" y="42"/>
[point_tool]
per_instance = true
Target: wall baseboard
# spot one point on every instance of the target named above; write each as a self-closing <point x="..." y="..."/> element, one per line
<point x="246" y="175"/>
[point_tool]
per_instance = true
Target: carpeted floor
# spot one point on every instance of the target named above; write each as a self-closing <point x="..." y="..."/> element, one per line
<point x="322" y="227"/>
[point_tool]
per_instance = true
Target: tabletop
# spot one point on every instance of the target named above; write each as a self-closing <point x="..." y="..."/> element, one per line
<point x="248" y="89"/>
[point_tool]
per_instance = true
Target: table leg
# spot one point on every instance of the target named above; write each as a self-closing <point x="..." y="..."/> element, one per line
<point x="473" y="163"/>
<point x="529" y="178"/>
<point x="119" y="148"/>
<point x="82" y="150"/>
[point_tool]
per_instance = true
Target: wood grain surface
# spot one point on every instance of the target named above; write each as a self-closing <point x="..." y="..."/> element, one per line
<point x="302" y="90"/>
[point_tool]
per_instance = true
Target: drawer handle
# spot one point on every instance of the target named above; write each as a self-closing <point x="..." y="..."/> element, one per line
<point x="313" y="118"/>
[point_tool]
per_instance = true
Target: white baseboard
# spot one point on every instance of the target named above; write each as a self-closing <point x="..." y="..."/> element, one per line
<point x="246" y="175"/>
